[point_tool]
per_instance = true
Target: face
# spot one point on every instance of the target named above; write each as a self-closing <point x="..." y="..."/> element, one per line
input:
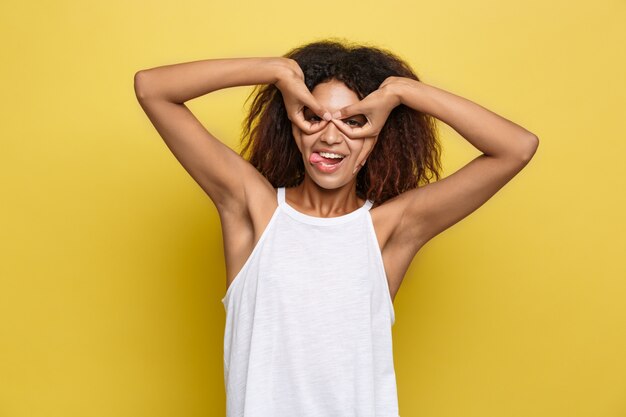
<point x="333" y="95"/>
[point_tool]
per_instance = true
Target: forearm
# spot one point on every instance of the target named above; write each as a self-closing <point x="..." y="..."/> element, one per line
<point x="488" y="132"/>
<point x="182" y="82"/>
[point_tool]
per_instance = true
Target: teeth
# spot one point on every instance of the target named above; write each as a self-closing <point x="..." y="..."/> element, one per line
<point x="331" y="155"/>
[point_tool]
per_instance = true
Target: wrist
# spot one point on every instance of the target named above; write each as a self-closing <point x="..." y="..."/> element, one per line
<point x="405" y="88"/>
<point x="287" y="68"/>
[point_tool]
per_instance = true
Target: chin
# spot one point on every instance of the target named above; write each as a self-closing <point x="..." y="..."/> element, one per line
<point x="327" y="182"/>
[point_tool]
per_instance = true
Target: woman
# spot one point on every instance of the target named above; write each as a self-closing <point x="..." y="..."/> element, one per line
<point x="322" y="220"/>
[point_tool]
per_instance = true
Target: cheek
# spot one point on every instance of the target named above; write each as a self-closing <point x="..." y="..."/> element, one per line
<point x="363" y="151"/>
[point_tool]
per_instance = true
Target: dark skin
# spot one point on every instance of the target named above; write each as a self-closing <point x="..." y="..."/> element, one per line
<point x="345" y="124"/>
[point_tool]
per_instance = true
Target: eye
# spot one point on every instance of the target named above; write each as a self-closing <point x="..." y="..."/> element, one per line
<point x="358" y="120"/>
<point x="309" y="116"/>
<point x="354" y="123"/>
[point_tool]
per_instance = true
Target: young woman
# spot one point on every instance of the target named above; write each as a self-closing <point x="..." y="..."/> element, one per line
<point x="323" y="218"/>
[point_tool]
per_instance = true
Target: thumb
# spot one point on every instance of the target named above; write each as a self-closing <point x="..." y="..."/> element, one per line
<point x="317" y="108"/>
<point x="359" y="166"/>
<point x="347" y="111"/>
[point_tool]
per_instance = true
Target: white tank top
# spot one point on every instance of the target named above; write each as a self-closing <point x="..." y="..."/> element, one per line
<point x="308" y="321"/>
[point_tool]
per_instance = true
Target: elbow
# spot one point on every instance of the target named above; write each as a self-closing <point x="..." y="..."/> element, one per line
<point x="140" y="85"/>
<point x="531" y="149"/>
<point x="528" y="148"/>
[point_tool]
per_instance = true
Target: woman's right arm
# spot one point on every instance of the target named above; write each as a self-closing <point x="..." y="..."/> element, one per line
<point x="162" y="91"/>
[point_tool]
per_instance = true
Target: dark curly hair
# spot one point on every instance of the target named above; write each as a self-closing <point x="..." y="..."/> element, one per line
<point x="406" y="154"/>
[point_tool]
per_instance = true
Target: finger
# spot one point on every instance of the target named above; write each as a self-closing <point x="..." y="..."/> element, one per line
<point x="317" y="126"/>
<point x="351" y="110"/>
<point x="306" y="126"/>
<point x="354" y="132"/>
<point x="362" y="132"/>
<point x="310" y="101"/>
<point x="295" y="113"/>
<point x="366" y="106"/>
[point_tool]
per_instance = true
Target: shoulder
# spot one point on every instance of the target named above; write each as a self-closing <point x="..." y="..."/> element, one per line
<point x="261" y="199"/>
<point x="396" y="248"/>
<point x="391" y="224"/>
<point x="384" y="219"/>
<point x="247" y="220"/>
<point x="244" y="224"/>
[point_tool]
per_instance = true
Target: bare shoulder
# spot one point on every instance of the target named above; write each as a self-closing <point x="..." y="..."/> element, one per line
<point x="262" y="202"/>
<point x="243" y="225"/>
<point x="388" y="219"/>
<point x="383" y="216"/>
<point x="396" y="251"/>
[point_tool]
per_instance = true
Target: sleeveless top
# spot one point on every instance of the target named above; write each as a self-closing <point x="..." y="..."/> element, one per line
<point x="308" y="321"/>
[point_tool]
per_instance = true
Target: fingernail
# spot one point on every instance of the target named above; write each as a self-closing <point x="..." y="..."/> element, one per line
<point x="327" y="116"/>
<point x="336" y="114"/>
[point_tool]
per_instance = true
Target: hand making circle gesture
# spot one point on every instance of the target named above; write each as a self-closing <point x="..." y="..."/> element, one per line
<point x="376" y="107"/>
<point x="296" y="97"/>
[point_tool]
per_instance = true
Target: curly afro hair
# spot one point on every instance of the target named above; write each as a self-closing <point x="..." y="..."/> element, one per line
<point x="407" y="153"/>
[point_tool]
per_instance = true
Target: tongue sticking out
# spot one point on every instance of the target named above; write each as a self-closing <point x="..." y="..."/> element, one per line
<point x="316" y="158"/>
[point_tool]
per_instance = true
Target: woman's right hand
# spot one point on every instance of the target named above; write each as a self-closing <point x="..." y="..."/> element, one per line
<point x="297" y="96"/>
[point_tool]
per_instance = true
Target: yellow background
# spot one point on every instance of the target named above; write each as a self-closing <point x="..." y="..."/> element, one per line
<point x="112" y="268"/>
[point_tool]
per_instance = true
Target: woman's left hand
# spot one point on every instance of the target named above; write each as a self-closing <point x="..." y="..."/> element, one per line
<point x="376" y="107"/>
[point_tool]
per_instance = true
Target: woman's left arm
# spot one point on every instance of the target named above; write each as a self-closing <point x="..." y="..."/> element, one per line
<point x="490" y="133"/>
<point x="506" y="149"/>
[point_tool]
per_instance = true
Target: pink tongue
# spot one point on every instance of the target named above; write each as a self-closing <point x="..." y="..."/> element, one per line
<point x="316" y="157"/>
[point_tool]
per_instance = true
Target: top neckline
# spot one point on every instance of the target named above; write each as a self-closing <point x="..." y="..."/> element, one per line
<point x="320" y="221"/>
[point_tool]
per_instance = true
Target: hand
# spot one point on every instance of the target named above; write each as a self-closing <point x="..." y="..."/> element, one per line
<point x="296" y="97"/>
<point x="375" y="107"/>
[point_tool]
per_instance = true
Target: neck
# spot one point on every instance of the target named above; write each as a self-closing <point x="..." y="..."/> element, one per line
<point x="322" y="202"/>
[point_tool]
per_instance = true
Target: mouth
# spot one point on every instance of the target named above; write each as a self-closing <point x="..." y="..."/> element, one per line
<point x="327" y="162"/>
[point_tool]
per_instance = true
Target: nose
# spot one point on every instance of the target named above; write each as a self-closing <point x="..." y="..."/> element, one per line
<point x="331" y="134"/>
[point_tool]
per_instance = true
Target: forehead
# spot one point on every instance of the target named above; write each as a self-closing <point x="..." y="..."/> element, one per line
<point x="334" y="95"/>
